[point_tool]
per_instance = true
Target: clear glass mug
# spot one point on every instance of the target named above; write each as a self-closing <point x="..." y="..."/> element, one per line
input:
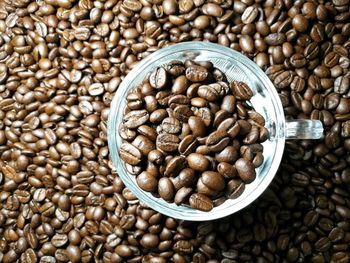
<point x="265" y="101"/>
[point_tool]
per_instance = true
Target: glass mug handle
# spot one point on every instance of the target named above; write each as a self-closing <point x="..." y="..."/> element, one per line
<point x="303" y="129"/>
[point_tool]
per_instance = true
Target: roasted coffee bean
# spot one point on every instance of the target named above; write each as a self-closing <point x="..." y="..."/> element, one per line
<point x="234" y="188"/>
<point x="158" y="116"/>
<point x="213" y="180"/>
<point x="229" y="155"/>
<point x="135" y="118"/>
<point x="196" y="73"/>
<point x="241" y="90"/>
<point x="158" y="78"/>
<point x="227" y="170"/>
<point x="147" y="182"/>
<point x="182" y="195"/>
<point x="180" y="85"/>
<point x="200" y="202"/>
<point x="188" y="145"/>
<point x="208" y="93"/>
<point x="166" y="189"/>
<point x="197" y="126"/>
<point x="175" y="165"/>
<point x="245" y="170"/>
<point x="130" y="154"/>
<point x="144" y="144"/>
<point x="171" y="125"/>
<point x="205" y="114"/>
<point x="182" y="113"/>
<point x="197" y="162"/>
<point x="175" y="68"/>
<point x="167" y="142"/>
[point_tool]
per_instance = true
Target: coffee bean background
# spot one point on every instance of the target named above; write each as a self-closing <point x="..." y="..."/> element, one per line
<point x="61" y="62"/>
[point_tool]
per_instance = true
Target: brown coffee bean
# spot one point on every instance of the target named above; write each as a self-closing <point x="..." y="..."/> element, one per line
<point x="200" y="202"/>
<point x="182" y="113"/>
<point x="130" y="154"/>
<point x="201" y="22"/>
<point x="197" y="162"/>
<point x="227" y="170"/>
<point x="188" y="145"/>
<point x="171" y="125"/>
<point x="246" y="170"/>
<point x="166" y="189"/>
<point x="241" y="90"/>
<point x="147" y="182"/>
<point x="275" y="39"/>
<point x="197" y="126"/>
<point x="158" y="78"/>
<point x="249" y="15"/>
<point x="148" y="132"/>
<point x="234" y="188"/>
<point x="205" y="114"/>
<point x="213" y="180"/>
<point x="175" y="68"/>
<point x="208" y="93"/>
<point x="158" y="116"/>
<point x="175" y="165"/>
<point x="135" y="118"/>
<point x="167" y="142"/>
<point x="228" y="155"/>
<point x="196" y="73"/>
<point x="182" y="195"/>
<point x="143" y="144"/>
<point x="180" y="85"/>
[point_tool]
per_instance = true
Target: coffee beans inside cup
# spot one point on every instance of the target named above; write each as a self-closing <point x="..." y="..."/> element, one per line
<point x="190" y="136"/>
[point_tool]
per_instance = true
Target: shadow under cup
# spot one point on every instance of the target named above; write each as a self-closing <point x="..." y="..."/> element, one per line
<point x="265" y="101"/>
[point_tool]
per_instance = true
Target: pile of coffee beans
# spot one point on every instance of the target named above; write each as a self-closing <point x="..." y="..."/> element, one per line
<point x="190" y="136"/>
<point x="61" y="62"/>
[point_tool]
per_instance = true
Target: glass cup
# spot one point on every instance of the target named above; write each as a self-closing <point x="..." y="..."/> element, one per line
<point x="265" y="101"/>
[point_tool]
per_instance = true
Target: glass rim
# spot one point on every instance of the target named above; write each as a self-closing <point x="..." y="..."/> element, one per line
<point x="182" y="212"/>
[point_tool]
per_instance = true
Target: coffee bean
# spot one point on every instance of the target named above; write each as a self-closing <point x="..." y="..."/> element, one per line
<point x="130" y="154"/>
<point x="158" y="116"/>
<point x="135" y="118"/>
<point x="234" y="188"/>
<point x="197" y="162"/>
<point x="175" y="165"/>
<point x="275" y="39"/>
<point x="228" y="155"/>
<point x="147" y="182"/>
<point x="188" y="145"/>
<point x="200" y="202"/>
<point x="197" y="126"/>
<point x="166" y="189"/>
<point x="196" y="73"/>
<point x="158" y="78"/>
<point x="175" y="68"/>
<point x="245" y="170"/>
<point x="241" y="90"/>
<point x="182" y="195"/>
<point x="59" y="240"/>
<point x="144" y="144"/>
<point x="213" y="180"/>
<point x="323" y="244"/>
<point x="208" y="93"/>
<point x="180" y="85"/>
<point x="182" y="113"/>
<point x="249" y="15"/>
<point x="227" y="170"/>
<point x="167" y="142"/>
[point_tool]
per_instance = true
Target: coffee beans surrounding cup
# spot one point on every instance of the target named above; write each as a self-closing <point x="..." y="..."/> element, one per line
<point x="54" y="56"/>
<point x="204" y="135"/>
